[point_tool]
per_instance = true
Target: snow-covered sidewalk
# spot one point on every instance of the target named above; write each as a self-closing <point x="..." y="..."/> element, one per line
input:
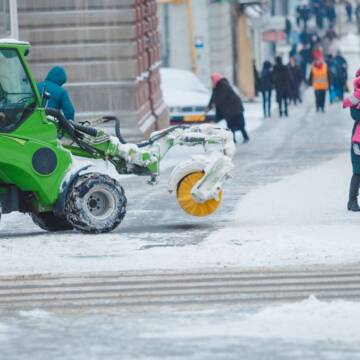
<point x="300" y="221"/>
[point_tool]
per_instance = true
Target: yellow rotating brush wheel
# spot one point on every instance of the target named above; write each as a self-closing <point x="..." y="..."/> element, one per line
<point x="188" y="203"/>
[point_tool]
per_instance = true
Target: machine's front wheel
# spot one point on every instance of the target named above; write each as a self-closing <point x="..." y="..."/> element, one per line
<point x="187" y="201"/>
<point x="50" y="222"/>
<point x="95" y="203"/>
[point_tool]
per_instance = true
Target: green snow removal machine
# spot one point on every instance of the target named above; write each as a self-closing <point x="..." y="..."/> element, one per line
<point x="40" y="171"/>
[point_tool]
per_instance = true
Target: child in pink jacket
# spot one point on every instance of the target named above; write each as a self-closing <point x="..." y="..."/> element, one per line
<point x="353" y="102"/>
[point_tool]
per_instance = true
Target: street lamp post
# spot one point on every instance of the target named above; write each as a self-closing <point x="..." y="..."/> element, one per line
<point x="14" y="24"/>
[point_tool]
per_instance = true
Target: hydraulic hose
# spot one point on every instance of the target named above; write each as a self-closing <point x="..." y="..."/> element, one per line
<point x="70" y="129"/>
<point x="142" y="144"/>
<point x="117" y="127"/>
<point x="86" y="129"/>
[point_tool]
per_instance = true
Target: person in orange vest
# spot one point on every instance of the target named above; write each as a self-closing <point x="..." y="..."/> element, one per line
<point x="320" y="81"/>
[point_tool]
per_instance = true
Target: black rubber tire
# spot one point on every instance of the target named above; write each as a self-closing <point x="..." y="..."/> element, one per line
<point x="79" y="206"/>
<point x="50" y="222"/>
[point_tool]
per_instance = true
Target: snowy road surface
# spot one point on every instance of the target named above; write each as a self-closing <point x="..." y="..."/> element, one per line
<point x="198" y="279"/>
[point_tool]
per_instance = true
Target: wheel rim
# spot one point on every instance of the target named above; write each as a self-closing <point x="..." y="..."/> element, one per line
<point x="187" y="201"/>
<point x="100" y="203"/>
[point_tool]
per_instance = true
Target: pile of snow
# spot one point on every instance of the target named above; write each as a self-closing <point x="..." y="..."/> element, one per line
<point x="311" y="320"/>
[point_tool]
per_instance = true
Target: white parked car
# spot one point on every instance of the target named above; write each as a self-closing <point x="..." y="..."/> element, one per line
<point x="186" y="96"/>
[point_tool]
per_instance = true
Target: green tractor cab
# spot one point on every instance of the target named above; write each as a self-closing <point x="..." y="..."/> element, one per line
<point x="40" y="176"/>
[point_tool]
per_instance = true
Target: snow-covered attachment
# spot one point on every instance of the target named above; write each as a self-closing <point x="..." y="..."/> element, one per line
<point x="198" y="183"/>
<point x="205" y="134"/>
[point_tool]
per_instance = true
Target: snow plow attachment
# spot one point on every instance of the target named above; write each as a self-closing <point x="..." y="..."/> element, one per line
<point x="199" y="183"/>
<point x="187" y="201"/>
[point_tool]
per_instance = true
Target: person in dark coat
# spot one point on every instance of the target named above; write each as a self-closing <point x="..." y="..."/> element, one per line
<point x="306" y="59"/>
<point x="349" y="10"/>
<point x="343" y="73"/>
<point x="266" y="87"/>
<point x="281" y="78"/>
<point x="228" y="105"/>
<point x="59" y="97"/>
<point x="357" y="16"/>
<point x="296" y="79"/>
<point x="288" y="28"/>
<point x="335" y="78"/>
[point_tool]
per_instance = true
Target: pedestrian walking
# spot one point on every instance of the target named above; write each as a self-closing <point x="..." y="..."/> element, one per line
<point x="228" y="105"/>
<point x="305" y="38"/>
<point x="59" y="97"/>
<point x="320" y="81"/>
<point x="266" y="87"/>
<point x="296" y="79"/>
<point x="288" y="28"/>
<point x="298" y="15"/>
<point x="305" y="13"/>
<point x="335" y="78"/>
<point x="331" y="13"/>
<point x="353" y="102"/>
<point x="306" y="59"/>
<point x="294" y="40"/>
<point x="349" y="11"/>
<point x="357" y="15"/>
<point x="281" y="79"/>
<point x="343" y="73"/>
<point x="319" y="15"/>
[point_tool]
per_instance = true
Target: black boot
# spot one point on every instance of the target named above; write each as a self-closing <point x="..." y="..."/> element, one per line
<point x="354" y="193"/>
<point x="245" y="136"/>
<point x="353" y="206"/>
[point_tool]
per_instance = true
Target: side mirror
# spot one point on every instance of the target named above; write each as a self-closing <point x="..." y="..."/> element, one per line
<point x="45" y="97"/>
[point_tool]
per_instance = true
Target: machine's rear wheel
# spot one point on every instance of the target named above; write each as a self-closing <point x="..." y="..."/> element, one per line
<point x="95" y="203"/>
<point x="50" y="222"/>
<point x="187" y="201"/>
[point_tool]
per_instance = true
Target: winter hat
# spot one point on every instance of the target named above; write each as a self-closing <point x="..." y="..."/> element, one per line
<point x="319" y="62"/>
<point x="215" y="78"/>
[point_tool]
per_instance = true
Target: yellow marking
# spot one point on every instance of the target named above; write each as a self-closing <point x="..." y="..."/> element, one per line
<point x="192" y="118"/>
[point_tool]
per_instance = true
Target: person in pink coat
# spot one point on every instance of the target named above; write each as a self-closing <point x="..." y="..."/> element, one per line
<point x="353" y="103"/>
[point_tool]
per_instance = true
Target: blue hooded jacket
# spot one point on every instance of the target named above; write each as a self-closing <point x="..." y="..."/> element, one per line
<point x="59" y="99"/>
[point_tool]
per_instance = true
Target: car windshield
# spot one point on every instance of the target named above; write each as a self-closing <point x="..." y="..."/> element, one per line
<point x="17" y="98"/>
